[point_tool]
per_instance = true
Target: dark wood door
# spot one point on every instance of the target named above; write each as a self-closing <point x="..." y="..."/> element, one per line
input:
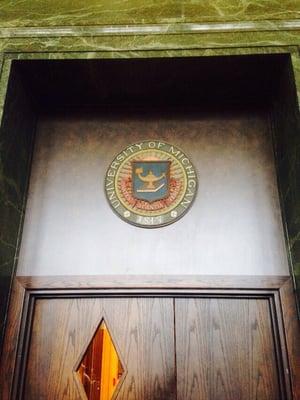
<point x="142" y="330"/>
<point x="179" y="347"/>
<point x="225" y="350"/>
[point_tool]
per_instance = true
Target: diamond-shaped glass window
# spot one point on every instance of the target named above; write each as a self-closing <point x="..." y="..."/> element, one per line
<point x="100" y="369"/>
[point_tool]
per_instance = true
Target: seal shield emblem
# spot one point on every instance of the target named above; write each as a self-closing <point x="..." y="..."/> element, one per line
<point x="150" y="180"/>
<point x="151" y="183"/>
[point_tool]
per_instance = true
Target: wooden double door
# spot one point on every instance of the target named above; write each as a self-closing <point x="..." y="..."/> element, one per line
<point x="183" y="346"/>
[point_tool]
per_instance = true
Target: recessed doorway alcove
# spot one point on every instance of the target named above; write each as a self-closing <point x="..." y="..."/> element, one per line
<point x="218" y="109"/>
<point x="224" y="264"/>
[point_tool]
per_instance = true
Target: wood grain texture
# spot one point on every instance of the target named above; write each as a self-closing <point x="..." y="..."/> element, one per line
<point x="9" y="354"/>
<point x="292" y="332"/>
<point x="153" y="281"/>
<point x="67" y="316"/>
<point x="142" y="330"/>
<point x="225" y="350"/>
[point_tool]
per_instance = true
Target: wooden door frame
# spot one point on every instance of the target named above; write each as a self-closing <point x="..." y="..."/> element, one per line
<point x="277" y="289"/>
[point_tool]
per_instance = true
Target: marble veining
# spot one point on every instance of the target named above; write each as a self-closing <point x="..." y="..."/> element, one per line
<point x="296" y="68"/>
<point x="147" y="29"/>
<point x="286" y="125"/>
<point x="111" y="12"/>
<point x="168" y="42"/>
<point x="16" y="131"/>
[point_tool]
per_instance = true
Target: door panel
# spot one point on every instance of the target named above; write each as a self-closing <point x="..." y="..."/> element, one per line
<point x="232" y="343"/>
<point x="225" y="350"/>
<point x="142" y="330"/>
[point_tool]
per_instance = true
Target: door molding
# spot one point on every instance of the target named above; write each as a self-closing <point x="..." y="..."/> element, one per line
<point x="277" y="289"/>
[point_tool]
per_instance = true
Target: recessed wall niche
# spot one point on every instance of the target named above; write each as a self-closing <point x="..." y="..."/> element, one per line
<point x="64" y="121"/>
<point x="219" y="110"/>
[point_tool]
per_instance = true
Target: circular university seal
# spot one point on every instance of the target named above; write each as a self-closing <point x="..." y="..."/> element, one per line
<point x="151" y="184"/>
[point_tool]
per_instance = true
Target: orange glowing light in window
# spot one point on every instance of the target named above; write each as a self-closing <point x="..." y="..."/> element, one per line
<point x="100" y="370"/>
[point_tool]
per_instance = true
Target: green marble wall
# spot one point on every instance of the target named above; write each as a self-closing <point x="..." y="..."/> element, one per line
<point x="95" y="12"/>
<point x="286" y="124"/>
<point x="51" y="29"/>
<point x="16" y="134"/>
